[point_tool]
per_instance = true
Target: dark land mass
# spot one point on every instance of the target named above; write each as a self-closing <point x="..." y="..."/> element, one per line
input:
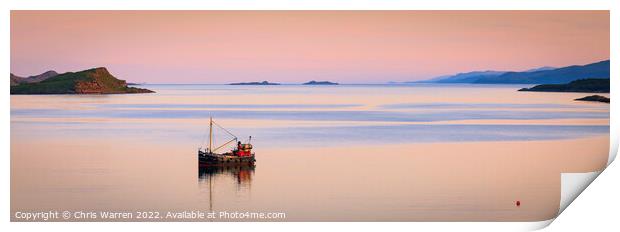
<point x="583" y="86"/>
<point x="16" y="80"/>
<point x="599" y="70"/>
<point x="544" y="75"/>
<point x="91" y="81"/>
<point x="594" y="98"/>
<point x="320" y="83"/>
<point x="255" y="83"/>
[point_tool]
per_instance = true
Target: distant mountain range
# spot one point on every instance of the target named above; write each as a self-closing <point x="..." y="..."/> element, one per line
<point x="545" y="68"/>
<point x="543" y="75"/>
<point x="469" y="77"/>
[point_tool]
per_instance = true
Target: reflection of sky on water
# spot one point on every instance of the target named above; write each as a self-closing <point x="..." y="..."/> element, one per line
<point x="485" y="106"/>
<point x="317" y="136"/>
<point x="332" y="115"/>
<point x="230" y="106"/>
<point x="427" y="133"/>
<point x="386" y="106"/>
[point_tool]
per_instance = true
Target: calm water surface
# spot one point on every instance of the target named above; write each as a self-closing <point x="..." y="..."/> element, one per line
<point x="325" y="153"/>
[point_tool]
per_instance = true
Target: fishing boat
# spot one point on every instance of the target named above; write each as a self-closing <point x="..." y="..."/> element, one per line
<point x="241" y="155"/>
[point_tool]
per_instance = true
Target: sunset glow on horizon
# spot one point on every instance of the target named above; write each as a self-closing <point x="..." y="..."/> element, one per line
<point x="298" y="46"/>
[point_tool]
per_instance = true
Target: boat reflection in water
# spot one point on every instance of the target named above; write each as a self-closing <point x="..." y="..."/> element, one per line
<point x="242" y="174"/>
<point x="220" y="178"/>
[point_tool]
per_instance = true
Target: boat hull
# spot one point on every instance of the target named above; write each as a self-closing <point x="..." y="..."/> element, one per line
<point x="212" y="159"/>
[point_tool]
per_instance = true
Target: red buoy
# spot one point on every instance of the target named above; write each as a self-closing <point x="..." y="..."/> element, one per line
<point x="518" y="203"/>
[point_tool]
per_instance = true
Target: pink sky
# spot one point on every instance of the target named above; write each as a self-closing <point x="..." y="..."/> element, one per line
<point x="297" y="46"/>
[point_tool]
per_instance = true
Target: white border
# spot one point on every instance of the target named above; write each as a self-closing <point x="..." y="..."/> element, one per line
<point x="314" y="5"/>
<point x="291" y="5"/>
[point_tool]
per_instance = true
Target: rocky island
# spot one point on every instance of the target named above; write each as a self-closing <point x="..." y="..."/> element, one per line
<point x="255" y="83"/>
<point x="582" y="86"/>
<point x="320" y="83"/>
<point x="91" y="81"/>
<point x="594" y="98"/>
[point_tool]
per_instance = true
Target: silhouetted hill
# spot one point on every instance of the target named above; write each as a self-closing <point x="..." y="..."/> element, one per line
<point x="255" y="83"/>
<point x="544" y="68"/>
<point x="594" y="98"/>
<point x="599" y="70"/>
<point x="543" y="75"/>
<point x="320" y="83"/>
<point x="584" y="85"/>
<point x="468" y="77"/>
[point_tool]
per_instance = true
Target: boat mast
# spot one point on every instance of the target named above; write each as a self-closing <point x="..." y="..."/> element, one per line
<point x="210" y="133"/>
